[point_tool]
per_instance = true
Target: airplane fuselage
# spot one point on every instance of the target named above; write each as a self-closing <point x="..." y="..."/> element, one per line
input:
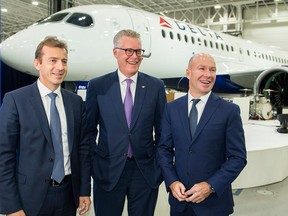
<point x="168" y="45"/>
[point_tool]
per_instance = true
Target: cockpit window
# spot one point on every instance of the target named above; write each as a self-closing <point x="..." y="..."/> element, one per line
<point x="80" y="19"/>
<point x="54" y="18"/>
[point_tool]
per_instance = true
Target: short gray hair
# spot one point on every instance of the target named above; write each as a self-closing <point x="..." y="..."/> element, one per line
<point x="127" y="33"/>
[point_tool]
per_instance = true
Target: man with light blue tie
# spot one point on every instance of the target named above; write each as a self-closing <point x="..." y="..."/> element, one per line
<point x="202" y="147"/>
<point x="125" y="106"/>
<point x="45" y="154"/>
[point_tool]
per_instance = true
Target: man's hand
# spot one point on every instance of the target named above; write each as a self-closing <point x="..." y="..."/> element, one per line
<point x="198" y="192"/>
<point x="18" y="213"/>
<point x="178" y="190"/>
<point x="84" y="204"/>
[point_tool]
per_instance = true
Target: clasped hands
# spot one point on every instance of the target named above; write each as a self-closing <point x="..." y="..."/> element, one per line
<point x="196" y="194"/>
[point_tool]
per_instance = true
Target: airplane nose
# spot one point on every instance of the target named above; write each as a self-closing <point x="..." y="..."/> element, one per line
<point x="16" y="51"/>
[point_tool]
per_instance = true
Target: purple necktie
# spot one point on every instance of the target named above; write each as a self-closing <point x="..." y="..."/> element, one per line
<point x="128" y="108"/>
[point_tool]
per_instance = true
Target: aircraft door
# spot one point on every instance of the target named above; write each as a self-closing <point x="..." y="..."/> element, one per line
<point x="141" y="25"/>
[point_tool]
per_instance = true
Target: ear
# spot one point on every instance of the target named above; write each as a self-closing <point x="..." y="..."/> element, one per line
<point x="115" y="53"/>
<point x="37" y="64"/>
<point x="188" y="73"/>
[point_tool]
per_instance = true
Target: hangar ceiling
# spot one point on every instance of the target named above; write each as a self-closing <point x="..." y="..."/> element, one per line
<point x="17" y="14"/>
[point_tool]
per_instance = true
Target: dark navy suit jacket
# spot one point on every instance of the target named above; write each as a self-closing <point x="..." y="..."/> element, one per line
<point x="26" y="149"/>
<point x="105" y="112"/>
<point x="216" y="154"/>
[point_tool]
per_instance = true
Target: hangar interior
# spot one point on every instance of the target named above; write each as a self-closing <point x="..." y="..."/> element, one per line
<point x="263" y="21"/>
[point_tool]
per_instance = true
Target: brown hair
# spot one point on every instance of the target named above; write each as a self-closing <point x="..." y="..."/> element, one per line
<point x="50" y="41"/>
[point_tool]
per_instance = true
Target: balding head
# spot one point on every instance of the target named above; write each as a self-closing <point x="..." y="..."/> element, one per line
<point x="201" y="73"/>
<point x="200" y="57"/>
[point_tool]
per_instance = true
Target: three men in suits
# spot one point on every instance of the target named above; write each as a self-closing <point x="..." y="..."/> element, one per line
<point x="198" y="168"/>
<point x="27" y="154"/>
<point x="124" y="154"/>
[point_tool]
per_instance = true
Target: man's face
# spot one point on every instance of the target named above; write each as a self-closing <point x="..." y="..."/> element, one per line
<point x="128" y="65"/>
<point x="53" y="66"/>
<point x="202" y="75"/>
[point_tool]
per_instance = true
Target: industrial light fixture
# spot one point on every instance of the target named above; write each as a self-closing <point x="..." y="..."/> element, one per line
<point x="35" y="3"/>
<point x="217" y="6"/>
<point x="4" y="10"/>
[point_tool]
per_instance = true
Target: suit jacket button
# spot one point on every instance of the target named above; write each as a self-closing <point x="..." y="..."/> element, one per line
<point x="51" y="159"/>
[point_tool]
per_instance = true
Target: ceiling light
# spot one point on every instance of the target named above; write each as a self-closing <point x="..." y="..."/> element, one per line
<point x="35" y="3"/>
<point x="4" y="10"/>
<point x="217" y="6"/>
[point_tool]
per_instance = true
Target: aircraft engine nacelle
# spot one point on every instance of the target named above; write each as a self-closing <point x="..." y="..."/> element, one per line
<point x="273" y="85"/>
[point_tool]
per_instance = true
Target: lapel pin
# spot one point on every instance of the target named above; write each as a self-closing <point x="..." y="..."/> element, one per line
<point x="143" y="87"/>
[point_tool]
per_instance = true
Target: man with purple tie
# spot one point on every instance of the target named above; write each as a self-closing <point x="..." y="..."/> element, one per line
<point x="125" y="106"/>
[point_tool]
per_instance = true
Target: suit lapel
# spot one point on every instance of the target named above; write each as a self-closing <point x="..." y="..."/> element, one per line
<point x="141" y="89"/>
<point x="116" y="98"/>
<point x="68" y="106"/>
<point x="211" y="106"/>
<point x="183" y="115"/>
<point x="37" y="105"/>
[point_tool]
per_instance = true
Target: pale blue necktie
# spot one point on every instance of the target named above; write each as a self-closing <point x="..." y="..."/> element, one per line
<point x="128" y="108"/>
<point x="56" y="134"/>
<point x="193" y="117"/>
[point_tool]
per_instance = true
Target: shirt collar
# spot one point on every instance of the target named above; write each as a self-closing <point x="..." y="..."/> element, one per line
<point x="203" y="98"/>
<point x="122" y="77"/>
<point x="45" y="91"/>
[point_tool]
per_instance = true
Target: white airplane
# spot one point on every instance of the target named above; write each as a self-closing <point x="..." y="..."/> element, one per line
<point x="168" y="45"/>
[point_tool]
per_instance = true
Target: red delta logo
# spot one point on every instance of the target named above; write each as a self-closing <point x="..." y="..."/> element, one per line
<point x="164" y="23"/>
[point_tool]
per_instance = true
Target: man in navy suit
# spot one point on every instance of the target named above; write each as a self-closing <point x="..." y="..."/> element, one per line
<point x="124" y="155"/>
<point x="199" y="167"/>
<point x="27" y="154"/>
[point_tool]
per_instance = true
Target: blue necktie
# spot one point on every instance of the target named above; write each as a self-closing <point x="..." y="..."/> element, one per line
<point x="56" y="134"/>
<point x="128" y="108"/>
<point x="193" y="117"/>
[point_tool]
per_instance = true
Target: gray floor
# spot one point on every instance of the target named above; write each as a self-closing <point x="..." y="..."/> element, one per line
<point x="269" y="200"/>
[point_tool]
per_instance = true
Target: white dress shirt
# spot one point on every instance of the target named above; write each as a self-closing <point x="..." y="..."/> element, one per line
<point x="123" y="84"/>
<point x="199" y="106"/>
<point x="44" y="91"/>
